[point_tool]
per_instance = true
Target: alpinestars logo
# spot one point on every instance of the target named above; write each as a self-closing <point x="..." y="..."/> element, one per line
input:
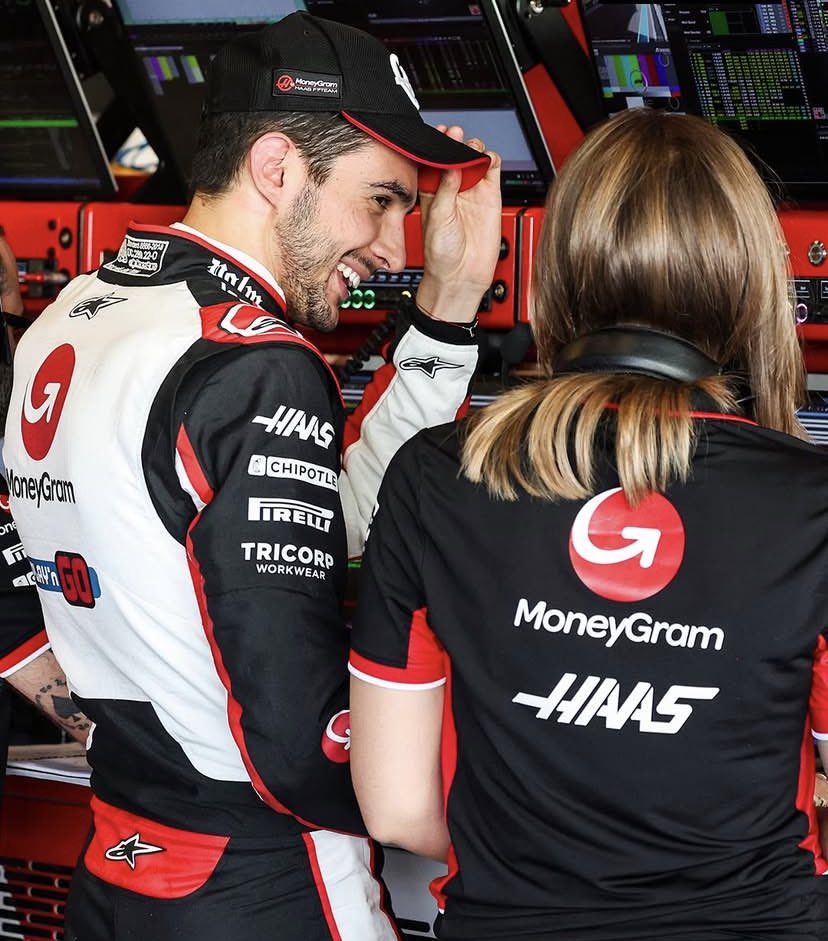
<point x="93" y="305"/>
<point x="624" y="553"/>
<point x="600" y="698"/>
<point x="128" y="849"/>
<point x="430" y="365"/>
<point x="287" y="421"/>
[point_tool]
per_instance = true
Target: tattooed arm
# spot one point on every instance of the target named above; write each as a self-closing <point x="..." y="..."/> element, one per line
<point x="43" y="682"/>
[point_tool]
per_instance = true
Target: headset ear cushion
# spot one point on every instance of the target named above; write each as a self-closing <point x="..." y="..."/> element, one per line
<point x="636" y="349"/>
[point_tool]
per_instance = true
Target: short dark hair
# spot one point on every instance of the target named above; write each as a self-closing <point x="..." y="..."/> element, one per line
<point x="225" y="139"/>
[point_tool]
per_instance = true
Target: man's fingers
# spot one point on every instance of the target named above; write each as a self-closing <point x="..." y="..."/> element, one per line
<point x="494" y="166"/>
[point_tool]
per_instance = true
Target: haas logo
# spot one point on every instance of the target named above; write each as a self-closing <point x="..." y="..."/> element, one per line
<point x="43" y="401"/>
<point x="626" y="554"/>
<point x="336" y="741"/>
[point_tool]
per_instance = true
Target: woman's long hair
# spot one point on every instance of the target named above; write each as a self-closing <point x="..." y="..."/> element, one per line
<point x="657" y="220"/>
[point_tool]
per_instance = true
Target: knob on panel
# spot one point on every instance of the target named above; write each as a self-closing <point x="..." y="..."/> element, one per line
<point x="817" y="253"/>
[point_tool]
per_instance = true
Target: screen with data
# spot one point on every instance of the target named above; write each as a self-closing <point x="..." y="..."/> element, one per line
<point x="49" y="147"/>
<point x="456" y="54"/>
<point x="758" y="70"/>
<point x="460" y="62"/>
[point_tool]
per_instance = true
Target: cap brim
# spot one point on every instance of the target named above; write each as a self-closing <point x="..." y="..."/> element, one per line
<point x="425" y="145"/>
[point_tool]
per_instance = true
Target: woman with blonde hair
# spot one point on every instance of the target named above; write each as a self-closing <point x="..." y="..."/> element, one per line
<point x="589" y="654"/>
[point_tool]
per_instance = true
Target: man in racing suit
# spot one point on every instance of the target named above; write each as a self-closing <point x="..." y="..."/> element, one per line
<point x="173" y="452"/>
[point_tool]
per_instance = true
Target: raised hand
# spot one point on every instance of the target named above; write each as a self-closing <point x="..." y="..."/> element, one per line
<point x="461" y="237"/>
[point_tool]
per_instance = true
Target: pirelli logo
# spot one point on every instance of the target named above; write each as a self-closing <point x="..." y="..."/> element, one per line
<point x="279" y="510"/>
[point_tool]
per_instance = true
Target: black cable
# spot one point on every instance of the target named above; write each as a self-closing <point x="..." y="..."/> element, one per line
<point x="371" y="346"/>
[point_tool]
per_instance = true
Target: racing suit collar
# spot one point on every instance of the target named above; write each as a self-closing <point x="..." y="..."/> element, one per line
<point x="248" y="261"/>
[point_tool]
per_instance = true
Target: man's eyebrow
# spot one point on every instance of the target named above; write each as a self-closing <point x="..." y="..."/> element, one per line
<point x="405" y="195"/>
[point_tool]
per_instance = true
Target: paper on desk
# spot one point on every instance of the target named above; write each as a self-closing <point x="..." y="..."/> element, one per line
<point x="64" y="763"/>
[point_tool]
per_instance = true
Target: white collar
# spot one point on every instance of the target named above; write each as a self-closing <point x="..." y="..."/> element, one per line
<point x="242" y="257"/>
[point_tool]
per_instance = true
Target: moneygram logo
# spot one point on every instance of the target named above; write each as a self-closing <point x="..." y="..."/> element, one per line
<point x="43" y="489"/>
<point x="336" y="740"/>
<point x="43" y="401"/>
<point x="624" y="553"/>
<point x="639" y="627"/>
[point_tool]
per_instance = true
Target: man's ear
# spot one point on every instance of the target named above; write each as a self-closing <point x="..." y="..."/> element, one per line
<point x="267" y="160"/>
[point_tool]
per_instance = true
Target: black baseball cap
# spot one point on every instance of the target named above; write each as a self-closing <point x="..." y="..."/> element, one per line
<point x="306" y="63"/>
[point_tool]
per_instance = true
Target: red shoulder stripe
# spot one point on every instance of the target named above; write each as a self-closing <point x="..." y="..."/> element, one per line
<point x="244" y="323"/>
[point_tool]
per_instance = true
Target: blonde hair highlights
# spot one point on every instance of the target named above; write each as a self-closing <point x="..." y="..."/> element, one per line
<point x="657" y="220"/>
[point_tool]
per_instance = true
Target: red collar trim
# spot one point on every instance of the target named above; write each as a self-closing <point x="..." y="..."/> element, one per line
<point x="715" y="416"/>
<point x="182" y="234"/>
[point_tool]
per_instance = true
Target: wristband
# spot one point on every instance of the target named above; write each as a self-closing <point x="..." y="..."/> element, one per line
<point x="471" y="326"/>
<point x="443" y="330"/>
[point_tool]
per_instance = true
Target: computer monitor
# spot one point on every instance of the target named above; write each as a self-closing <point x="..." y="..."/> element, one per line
<point x="456" y="53"/>
<point x="49" y="147"/>
<point x="757" y="70"/>
<point x="173" y="44"/>
<point x="461" y="63"/>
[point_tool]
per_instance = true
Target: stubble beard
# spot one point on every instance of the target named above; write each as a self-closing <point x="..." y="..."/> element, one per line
<point x="304" y="251"/>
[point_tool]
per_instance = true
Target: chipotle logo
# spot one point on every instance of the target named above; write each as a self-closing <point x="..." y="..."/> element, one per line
<point x="44" y="399"/>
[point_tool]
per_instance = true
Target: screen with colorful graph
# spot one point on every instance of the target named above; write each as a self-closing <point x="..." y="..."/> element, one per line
<point x="456" y="53"/>
<point x="758" y="70"/>
<point x="49" y="146"/>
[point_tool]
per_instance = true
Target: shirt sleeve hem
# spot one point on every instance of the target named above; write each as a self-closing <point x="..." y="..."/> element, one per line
<point x="24" y="654"/>
<point x="394" y="684"/>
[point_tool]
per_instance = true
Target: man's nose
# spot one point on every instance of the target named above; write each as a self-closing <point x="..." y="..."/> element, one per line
<point x="390" y="244"/>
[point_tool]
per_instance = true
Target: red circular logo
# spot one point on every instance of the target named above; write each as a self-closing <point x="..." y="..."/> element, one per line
<point x="285" y="83"/>
<point x="43" y="401"/>
<point x="336" y="742"/>
<point x="4" y="503"/>
<point x="626" y="554"/>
